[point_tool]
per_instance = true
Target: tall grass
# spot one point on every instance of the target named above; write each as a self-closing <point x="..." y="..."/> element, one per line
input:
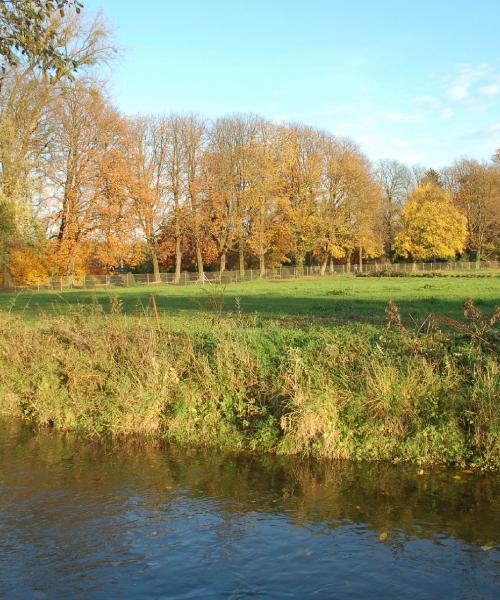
<point x="357" y="391"/>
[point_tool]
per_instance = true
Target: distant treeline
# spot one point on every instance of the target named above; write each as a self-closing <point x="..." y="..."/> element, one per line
<point x="84" y="188"/>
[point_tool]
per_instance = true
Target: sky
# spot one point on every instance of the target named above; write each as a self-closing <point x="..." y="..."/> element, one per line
<point x="415" y="81"/>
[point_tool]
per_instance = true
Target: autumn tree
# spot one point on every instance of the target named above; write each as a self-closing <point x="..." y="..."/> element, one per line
<point x="27" y="97"/>
<point x="113" y="234"/>
<point x="332" y="227"/>
<point x="269" y="236"/>
<point x="432" y="226"/>
<point x="228" y="158"/>
<point x="88" y="178"/>
<point x="149" y="156"/>
<point x="395" y="183"/>
<point x="194" y="133"/>
<point x="172" y="129"/>
<point x="475" y="188"/>
<point x="220" y="203"/>
<point x="301" y="181"/>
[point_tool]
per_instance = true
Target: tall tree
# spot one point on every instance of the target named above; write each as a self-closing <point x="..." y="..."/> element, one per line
<point x="268" y="229"/>
<point x="85" y="170"/>
<point x="228" y="141"/>
<point x="27" y="97"/>
<point x="150" y="156"/>
<point x="194" y="132"/>
<point x="301" y="181"/>
<point x="332" y="227"/>
<point x="395" y="183"/>
<point x="475" y="190"/>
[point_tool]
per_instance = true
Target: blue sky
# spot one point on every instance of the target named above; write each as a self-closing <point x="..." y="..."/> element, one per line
<point x="415" y="81"/>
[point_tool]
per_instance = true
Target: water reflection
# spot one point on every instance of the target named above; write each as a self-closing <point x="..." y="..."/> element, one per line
<point x="80" y="519"/>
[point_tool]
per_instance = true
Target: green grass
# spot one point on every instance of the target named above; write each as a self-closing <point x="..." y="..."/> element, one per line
<point x="303" y="366"/>
<point x="330" y="300"/>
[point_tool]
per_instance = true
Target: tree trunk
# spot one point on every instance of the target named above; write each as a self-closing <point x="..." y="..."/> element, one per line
<point x="332" y="270"/>
<point x="178" y="259"/>
<point x="241" y="253"/>
<point x="348" y="262"/>
<point x="360" y="259"/>
<point x="199" y="261"/>
<point x="70" y="278"/>
<point x="7" y="277"/>
<point x="262" y="265"/>
<point x="222" y="266"/>
<point x="324" y="264"/>
<point x="156" y="266"/>
<point x="478" y="258"/>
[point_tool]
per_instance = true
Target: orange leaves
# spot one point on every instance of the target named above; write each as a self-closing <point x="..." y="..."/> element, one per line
<point x="27" y="266"/>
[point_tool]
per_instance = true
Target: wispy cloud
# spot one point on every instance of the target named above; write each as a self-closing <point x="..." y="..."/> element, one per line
<point x="469" y="89"/>
<point x="428" y="102"/>
<point x="457" y="92"/>
<point x="489" y="90"/>
<point x="470" y="82"/>
<point x="398" y="117"/>
<point x="487" y="131"/>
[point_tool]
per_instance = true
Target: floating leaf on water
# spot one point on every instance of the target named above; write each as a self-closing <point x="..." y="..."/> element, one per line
<point x="383" y="536"/>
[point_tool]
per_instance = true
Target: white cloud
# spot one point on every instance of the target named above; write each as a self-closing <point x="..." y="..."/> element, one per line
<point x="489" y="90"/>
<point x="446" y="113"/>
<point x="402" y="117"/>
<point x="457" y="92"/>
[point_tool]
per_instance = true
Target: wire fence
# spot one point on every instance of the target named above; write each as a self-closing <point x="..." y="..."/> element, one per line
<point x="234" y="276"/>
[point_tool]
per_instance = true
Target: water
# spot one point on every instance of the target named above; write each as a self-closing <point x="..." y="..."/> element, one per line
<point x="83" y="520"/>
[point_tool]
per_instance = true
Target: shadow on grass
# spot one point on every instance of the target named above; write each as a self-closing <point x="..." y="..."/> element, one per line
<point x="295" y="308"/>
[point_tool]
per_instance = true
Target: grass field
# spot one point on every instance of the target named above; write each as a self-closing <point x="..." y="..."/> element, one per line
<point x="326" y="301"/>
<point x="305" y="366"/>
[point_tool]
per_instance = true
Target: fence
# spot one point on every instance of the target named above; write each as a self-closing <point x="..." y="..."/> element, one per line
<point x="277" y="273"/>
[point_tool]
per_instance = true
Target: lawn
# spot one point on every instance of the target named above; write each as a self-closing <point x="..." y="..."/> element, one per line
<point x="327" y="301"/>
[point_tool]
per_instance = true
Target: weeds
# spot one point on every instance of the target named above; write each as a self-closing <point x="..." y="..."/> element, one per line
<point x="426" y="395"/>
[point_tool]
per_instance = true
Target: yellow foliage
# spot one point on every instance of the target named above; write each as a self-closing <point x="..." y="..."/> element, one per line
<point x="433" y="227"/>
<point x="27" y="267"/>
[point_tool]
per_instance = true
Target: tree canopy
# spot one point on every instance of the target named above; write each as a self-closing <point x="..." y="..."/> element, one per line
<point x="432" y="226"/>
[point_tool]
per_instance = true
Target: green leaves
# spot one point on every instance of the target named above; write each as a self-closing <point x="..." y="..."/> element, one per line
<point x="28" y="31"/>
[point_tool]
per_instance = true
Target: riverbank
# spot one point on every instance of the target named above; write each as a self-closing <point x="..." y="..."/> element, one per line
<point x="425" y="393"/>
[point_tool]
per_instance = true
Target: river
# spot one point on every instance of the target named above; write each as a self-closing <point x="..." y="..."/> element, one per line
<point x="81" y="519"/>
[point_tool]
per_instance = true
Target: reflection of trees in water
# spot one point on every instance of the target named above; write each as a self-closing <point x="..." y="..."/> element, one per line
<point x="325" y="495"/>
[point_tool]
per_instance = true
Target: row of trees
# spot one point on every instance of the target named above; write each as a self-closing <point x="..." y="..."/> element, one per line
<point x="84" y="187"/>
